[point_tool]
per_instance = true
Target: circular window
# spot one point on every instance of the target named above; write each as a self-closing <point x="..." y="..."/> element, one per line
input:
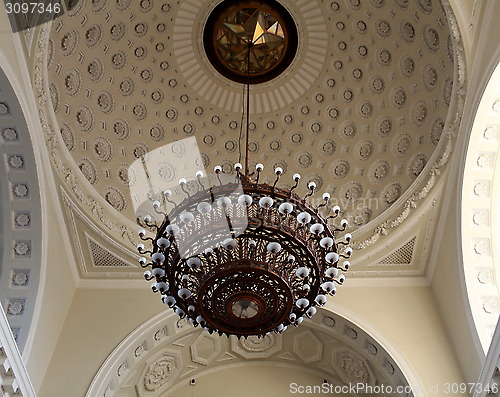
<point x="250" y="41"/>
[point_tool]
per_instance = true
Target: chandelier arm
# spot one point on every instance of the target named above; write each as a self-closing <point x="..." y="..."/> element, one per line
<point x="308" y="194"/>
<point x="218" y="177"/>
<point x="170" y="201"/>
<point x="159" y="212"/>
<point x="184" y="190"/>
<point x="278" y="174"/>
<point x="148" y="223"/>
<point x="200" y="183"/>
<point x="294" y="187"/>
<point x="146" y="265"/>
<point x="323" y="205"/>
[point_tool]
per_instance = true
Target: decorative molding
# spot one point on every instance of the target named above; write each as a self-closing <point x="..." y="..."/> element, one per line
<point x="20" y="218"/>
<point x="402" y="255"/>
<point x="188" y="352"/>
<point x="439" y="158"/>
<point x="14" y="379"/>
<point x="184" y="98"/>
<point x="45" y="113"/>
<point x="101" y="257"/>
<point x="489" y="379"/>
<point x="480" y="214"/>
<point x="87" y="259"/>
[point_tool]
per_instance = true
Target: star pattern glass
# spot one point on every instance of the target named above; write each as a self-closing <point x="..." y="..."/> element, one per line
<point x="250" y="40"/>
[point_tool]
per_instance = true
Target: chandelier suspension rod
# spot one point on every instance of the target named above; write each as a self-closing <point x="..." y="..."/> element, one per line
<point x="247" y="109"/>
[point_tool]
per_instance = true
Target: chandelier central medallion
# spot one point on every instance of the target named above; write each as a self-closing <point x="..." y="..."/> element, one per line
<point x="250" y="41"/>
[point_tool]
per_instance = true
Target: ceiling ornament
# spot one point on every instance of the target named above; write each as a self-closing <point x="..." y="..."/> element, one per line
<point x="103" y="69"/>
<point x="20" y="214"/>
<point x="323" y="345"/>
<point x="236" y="255"/>
<point x="265" y="30"/>
<point x="448" y="131"/>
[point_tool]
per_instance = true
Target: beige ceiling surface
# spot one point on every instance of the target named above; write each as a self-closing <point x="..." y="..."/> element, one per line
<point x="360" y="110"/>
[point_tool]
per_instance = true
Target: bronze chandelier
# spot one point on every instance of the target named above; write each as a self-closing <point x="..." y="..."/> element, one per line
<point x="241" y="257"/>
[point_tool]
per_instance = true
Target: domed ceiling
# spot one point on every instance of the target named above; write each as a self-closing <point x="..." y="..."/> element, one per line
<point x="360" y="110"/>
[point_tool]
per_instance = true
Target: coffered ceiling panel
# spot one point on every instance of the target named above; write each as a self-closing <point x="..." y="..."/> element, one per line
<point x="360" y="110"/>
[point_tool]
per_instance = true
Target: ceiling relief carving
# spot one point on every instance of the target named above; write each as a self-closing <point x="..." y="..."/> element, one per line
<point x="365" y="109"/>
<point x="160" y="372"/>
<point x="20" y="216"/>
<point x="479" y="198"/>
<point x="328" y="345"/>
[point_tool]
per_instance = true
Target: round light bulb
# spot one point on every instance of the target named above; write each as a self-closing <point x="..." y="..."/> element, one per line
<point x="302" y="303"/>
<point x="230" y="244"/>
<point x="302" y="272"/>
<point x="331" y="272"/>
<point x="184" y="293"/>
<point x="320" y="300"/>
<point x="245" y="200"/>
<point x="317" y="228"/>
<point x="194" y="263"/>
<point x="285" y="208"/>
<point x="172" y="229"/>
<point x="266" y="202"/>
<point x="274" y="247"/>
<point x="186" y="217"/>
<point x="162" y="287"/>
<point x="332" y="257"/>
<point x="311" y="311"/>
<point x="326" y="242"/>
<point x="304" y="218"/>
<point x="203" y="207"/>
<point x="158" y="272"/>
<point x="328" y="286"/>
<point x="223" y="202"/>
<point x="163" y="242"/>
<point x="158" y="257"/>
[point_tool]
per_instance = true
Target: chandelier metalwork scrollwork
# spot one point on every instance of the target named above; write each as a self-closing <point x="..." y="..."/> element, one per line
<point x="235" y="255"/>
